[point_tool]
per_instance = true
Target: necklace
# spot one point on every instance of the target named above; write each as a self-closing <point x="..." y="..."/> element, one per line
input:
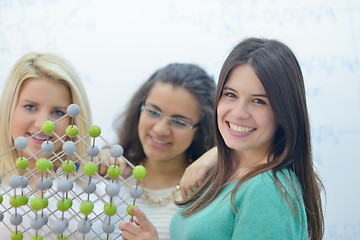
<point x="164" y="200"/>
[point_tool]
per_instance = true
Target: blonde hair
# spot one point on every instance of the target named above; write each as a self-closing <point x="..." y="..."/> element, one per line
<point x="45" y="66"/>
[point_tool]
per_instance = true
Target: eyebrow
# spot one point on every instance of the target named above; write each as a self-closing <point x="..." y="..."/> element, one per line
<point x="229" y="88"/>
<point x="260" y="95"/>
<point x="173" y="116"/>
<point x="255" y="95"/>
<point x="35" y="103"/>
<point x="63" y="108"/>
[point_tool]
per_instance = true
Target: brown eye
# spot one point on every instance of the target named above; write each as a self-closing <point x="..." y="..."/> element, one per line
<point x="259" y="101"/>
<point x="229" y="95"/>
<point x="178" y="123"/>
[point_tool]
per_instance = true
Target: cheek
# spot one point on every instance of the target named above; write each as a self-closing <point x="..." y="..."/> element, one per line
<point x="61" y="126"/>
<point x="222" y="108"/>
<point x="16" y="124"/>
<point x="185" y="140"/>
<point x="220" y="114"/>
<point x="142" y="127"/>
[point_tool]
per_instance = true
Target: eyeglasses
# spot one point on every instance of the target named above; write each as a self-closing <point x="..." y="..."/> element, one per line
<point x="173" y="122"/>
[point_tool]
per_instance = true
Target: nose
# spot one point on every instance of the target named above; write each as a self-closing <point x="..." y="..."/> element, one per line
<point x="162" y="127"/>
<point x="242" y="109"/>
<point x="40" y="118"/>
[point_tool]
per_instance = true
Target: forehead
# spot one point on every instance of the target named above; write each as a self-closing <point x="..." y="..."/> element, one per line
<point x="243" y="77"/>
<point x="174" y="99"/>
<point x="44" y="90"/>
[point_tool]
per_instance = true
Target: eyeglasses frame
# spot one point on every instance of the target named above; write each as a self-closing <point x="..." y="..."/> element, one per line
<point x="161" y="116"/>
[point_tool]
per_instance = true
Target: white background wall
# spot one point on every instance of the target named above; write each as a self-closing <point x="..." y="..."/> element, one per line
<point x="115" y="45"/>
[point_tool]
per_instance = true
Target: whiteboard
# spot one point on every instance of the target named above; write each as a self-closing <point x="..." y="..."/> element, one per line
<point x="116" y="45"/>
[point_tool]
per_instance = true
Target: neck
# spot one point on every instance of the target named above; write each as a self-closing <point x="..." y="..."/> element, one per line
<point x="163" y="174"/>
<point x="246" y="162"/>
<point x="251" y="158"/>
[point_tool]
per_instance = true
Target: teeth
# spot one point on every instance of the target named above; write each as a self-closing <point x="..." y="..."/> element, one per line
<point x="240" y="129"/>
<point x="157" y="141"/>
<point x="41" y="138"/>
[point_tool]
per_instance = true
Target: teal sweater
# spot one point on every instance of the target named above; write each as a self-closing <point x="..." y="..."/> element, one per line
<point x="262" y="213"/>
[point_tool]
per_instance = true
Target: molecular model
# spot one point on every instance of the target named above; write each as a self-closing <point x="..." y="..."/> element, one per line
<point x="61" y="195"/>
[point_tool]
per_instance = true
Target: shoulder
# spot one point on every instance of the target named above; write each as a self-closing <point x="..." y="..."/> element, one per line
<point x="269" y="178"/>
<point x="270" y="186"/>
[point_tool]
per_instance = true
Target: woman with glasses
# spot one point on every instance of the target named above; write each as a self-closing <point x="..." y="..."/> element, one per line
<point x="166" y="126"/>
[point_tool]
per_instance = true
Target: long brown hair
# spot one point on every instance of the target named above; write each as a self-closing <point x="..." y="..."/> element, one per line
<point x="279" y="72"/>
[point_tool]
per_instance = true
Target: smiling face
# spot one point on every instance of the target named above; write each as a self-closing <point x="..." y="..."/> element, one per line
<point x="160" y="140"/>
<point x="245" y="118"/>
<point x="40" y="100"/>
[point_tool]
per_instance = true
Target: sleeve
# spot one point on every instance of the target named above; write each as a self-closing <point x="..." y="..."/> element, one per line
<point x="263" y="213"/>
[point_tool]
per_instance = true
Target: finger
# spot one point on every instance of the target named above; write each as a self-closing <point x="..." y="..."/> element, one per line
<point x="185" y="182"/>
<point x="127" y="236"/>
<point x="148" y="231"/>
<point x="183" y="194"/>
<point x="189" y="190"/>
<point x="194" y="188"/>
<point x="141" y="218"/>
<point x="128" y="228"/>
<point x="122" y="164"/>
<point x="102" y="168"/>
<point x="186" y="191"/>
<point x="101" y="161"/>
<point x="186" y="195"/>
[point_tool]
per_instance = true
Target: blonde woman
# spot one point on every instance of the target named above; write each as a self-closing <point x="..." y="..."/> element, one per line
<point x="40" y="87"/>
<point x="50" y="69"/>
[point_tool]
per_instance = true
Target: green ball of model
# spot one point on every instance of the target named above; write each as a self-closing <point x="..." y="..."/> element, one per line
<point x="36" y="237"/>
<point x="72" y="131"/>
<point x="90" y="168"/>
<point x="94" y="131"/>
<point x="15" y="201"/>
<point x="139" y="172"/>
<point x="42" y="164"/>
<point x="24" y="200"/>
<point x="86" y="207"/>
<point x="113" y="171"/>
<point x="110" y="208"/>
<point x="64" y="204"/>
<point x="16" y="235"/>
<point x="50" y="165"/>
<point x="45" y="203"/>
<point x="38" y="203"/>
<point x="68" y="166"/>
<point x="21" y="163"/>
<point x="48" y="127"/>
<point x="128" y="209"/>
<point x="61" y="238"/>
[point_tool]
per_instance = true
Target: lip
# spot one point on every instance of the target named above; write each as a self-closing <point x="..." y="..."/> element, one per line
<point x="237" y="133"/>
<point x="39" y="141"/>
<point x="158" y="143"/>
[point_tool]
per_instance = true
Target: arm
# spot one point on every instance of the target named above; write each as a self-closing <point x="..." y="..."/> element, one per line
<point x="143" y="229"/>
<point x="195" y="174"/>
